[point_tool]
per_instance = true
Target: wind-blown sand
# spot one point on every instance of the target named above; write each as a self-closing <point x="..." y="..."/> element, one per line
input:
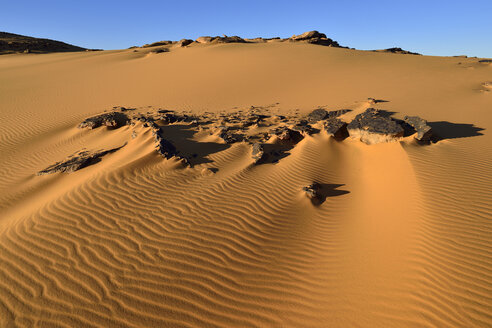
<point x="403" y="238"/>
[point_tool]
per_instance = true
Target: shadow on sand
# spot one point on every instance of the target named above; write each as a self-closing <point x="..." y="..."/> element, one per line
<point x="196" y="152"/>
<point x="447" y="130"/>
<point x="328" y="190"/>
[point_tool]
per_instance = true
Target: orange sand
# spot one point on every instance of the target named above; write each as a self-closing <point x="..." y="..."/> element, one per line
<point x="138" y="241"/>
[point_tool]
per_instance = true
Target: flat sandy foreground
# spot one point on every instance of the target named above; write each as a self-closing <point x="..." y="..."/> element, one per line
<point x="403" y="238"/>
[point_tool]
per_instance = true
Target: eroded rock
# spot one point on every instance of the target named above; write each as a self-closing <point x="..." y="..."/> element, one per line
<point x="336" y="128"/>
<point x="371" y="127"/>
<point x="112" y="120"/>
<point x="315" y="37"/>
<point x="76" y="161"/>
<point x="424" y="131"/>
<point x="257" y="153"/>
<point x="313" y="192"/>
<point x="322" y="114"/>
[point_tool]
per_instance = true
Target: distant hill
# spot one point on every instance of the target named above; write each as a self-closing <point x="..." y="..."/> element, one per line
<point x="13" y="43"/>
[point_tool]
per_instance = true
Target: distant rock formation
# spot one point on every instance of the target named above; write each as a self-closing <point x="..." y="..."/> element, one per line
<point x="396" y="50"/>
<point x="314" y="37"/>
<point x="372" y="127"/>
<point x="158" y="43"/>
<point x="220" y="39"/>
<point x="15" y="43"/>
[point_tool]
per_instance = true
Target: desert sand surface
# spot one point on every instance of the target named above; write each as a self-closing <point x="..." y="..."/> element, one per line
<point x="401" y="236"/>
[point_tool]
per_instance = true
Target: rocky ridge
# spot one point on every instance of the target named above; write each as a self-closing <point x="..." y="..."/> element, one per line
<point x="271" y="136"/>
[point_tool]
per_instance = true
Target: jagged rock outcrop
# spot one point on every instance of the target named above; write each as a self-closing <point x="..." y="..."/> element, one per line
<point x="164" y="147"/>
<point x="424" y="131"/>
<point x="76" y="161"/>
<point x="371" y="127"/>
<point x="322" y="114"/>
<point x="227" y="135"/>
<point x="285" y="134"/>
<point x="336" y="128"/>
<point x="112" y="120"/>
<point x="315" y="37"/>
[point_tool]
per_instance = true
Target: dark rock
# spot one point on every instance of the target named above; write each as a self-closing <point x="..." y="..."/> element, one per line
<point x="160" y="50"/>
<point x="313" y="192"/>
<point x="15" y="43"/>
<point x="285" y="134"/>
<point x="321" y="114"/>
<point x="257" y="153"/>
<point x="227" y="135"/>
<point x="305" y="128"/>
<point x="76" y="161"/>
<point x="372" y="127"/>
<point x="169" y="118"/>
<point x="485" y="61"/>
<point x="123" y="109"/>
<point x="165" y="148"/>
<point x="336" y="128"/>
<point x="396" y="50"/>
<point x="112" y="120"/>
<point x="424" y="131"/>
<point x="317" y="115"/>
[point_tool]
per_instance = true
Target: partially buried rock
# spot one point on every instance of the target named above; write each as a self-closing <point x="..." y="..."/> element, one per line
<point x="321" y="114"/>
<point x="76" y="161"/>
<point x="112" y="120"/>
<point x="165" y="148"/>
<point x="257" y="153"/>
<point x="313" y="192"/>
<point x="424" y="131"/>
<point x="336" y="128"/>
<point x="227" y="135"/>
<point x="371" y="127"/>
<point x="287" y="135"/>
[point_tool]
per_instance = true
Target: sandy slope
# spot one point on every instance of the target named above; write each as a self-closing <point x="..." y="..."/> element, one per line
<point x="402" y="240"/>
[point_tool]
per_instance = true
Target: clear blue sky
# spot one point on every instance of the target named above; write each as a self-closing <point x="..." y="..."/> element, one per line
<point x="432" y="27"/>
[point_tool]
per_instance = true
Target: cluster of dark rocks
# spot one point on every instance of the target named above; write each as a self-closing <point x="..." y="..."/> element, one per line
<point x="371" y="126"/>
<point x="113" y="120"/>
<point x="77" y="161"/>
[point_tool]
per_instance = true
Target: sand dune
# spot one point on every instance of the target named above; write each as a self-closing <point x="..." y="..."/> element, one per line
<point x="401" y="239"/>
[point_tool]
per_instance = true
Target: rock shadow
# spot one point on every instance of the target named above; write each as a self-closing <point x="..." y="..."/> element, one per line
<point x="180" y="135"/>
<point x="446" y="130"/>
<point x="328" y="190"/>
<point x="275" y="152"/>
